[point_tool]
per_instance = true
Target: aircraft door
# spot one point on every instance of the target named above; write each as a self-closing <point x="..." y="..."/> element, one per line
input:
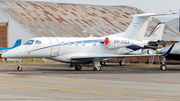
<point x="54" y="46"/>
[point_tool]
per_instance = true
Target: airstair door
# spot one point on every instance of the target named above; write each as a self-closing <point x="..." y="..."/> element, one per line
<point x="54" y="46"/>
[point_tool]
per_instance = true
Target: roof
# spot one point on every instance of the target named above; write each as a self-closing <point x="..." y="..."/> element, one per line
<point x="76" y="20"/>
<point x="174" y="23"/>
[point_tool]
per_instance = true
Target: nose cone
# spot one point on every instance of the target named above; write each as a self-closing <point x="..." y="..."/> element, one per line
<point x="8" y="54"/>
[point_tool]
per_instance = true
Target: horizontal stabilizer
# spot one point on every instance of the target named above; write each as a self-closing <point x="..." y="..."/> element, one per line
<point x="154" y="14"/>
<point x="136" y="30"/>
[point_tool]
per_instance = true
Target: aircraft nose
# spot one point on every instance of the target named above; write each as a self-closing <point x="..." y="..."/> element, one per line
<point x="7" y="55"/>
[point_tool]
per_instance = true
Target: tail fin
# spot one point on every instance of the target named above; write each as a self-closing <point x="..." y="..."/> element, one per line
<point x="138" y="26"/>
<point x="18" y="43"/>
<point x="157" y="33"/>
<point x="168" y="52"/>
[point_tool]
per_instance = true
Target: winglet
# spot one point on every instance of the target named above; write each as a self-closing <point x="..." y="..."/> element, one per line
<point x="167" y="53"/>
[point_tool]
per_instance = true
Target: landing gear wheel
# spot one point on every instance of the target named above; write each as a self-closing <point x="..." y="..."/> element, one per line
<point x="97" y="69"/>
<point x="103" y="63"/>
<point x="163" y="67"/>
<point x="19" y="68"/>
<point x="78" y="67"/>
<point x="121" y="63"/>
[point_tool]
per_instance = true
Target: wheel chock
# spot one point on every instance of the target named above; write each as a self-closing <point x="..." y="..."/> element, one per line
<point x="94" y="69"/>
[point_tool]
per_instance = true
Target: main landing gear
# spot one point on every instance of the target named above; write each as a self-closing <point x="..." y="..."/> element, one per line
<point x="103" y="63"/>
<point x="163" y="66"/>
<point x="122" y="63"/>
<point x="78" y="67"/>
<point x="97" y="65"/>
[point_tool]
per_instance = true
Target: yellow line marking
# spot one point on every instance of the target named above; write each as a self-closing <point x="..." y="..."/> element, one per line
<point x="136" y="95"/>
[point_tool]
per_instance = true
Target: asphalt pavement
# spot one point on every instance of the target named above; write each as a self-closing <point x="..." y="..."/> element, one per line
<point x="56" y="81"/>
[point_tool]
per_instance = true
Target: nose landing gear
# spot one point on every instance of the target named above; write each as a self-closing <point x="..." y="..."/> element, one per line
<point x="19" y="68"/>
<point x="163" y="66"/>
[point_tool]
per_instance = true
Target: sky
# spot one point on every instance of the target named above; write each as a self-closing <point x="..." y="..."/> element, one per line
<point x="149" y="6"/>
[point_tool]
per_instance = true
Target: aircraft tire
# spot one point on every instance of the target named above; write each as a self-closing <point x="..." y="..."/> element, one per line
<point x="19" y="68"/>
<point x="163" y="67"/>
<point x="122" y="63"/>
<point x="78" y="67"/>
<point x="99" y="68"/>
<point x="103" y="63"/>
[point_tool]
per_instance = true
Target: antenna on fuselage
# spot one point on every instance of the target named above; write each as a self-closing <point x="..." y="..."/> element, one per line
<point x="90" y="31"/>
<point x="91" y="35"/>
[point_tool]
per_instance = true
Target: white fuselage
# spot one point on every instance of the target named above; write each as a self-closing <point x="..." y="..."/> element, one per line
<point x="63" y="48"/>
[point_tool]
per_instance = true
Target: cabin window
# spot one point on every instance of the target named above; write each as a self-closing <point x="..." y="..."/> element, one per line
<point x="69" y="43"/>
<point x="75" y="43"/>
<point x="93" y="43"/>
<point x="29" y="42"/>
<point x="83" y="44"/>
<point x="38" y="42"/>
<point x="62" y="43"/>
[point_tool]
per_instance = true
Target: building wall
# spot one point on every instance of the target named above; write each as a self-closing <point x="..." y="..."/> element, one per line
<point x="3" y="34"/>
<point x="16" y="31"/>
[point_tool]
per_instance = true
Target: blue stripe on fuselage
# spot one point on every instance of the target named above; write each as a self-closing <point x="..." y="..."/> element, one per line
<point x="78" y="42"/>
<point x="134" y="47"/>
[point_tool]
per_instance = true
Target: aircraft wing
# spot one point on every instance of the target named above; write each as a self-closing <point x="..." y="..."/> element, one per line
<point x="117" y="56"/>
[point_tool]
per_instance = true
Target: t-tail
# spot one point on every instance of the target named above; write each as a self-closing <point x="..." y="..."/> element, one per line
<point x="138" y="26"/>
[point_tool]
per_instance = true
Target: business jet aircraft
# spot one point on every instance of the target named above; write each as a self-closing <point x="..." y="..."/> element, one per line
<point x="78" y="51"/>
<point x="17" y="43"/>
<point x="174" y="54"/>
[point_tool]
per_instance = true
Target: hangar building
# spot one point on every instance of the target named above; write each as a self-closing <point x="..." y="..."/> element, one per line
<point x="174" y="23"/>
<point x="27" y="19"/>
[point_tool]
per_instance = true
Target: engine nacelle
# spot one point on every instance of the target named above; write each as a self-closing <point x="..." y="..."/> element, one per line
<point x="117" y="42"/>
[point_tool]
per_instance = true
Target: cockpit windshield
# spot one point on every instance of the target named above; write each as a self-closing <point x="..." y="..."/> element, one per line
<point x="38" y="42"/>
<point x="29" y="42"/>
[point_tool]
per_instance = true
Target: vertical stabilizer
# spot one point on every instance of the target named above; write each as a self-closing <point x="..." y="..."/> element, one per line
<point x="138" y="26"/>
<point x="157" y="33"/>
